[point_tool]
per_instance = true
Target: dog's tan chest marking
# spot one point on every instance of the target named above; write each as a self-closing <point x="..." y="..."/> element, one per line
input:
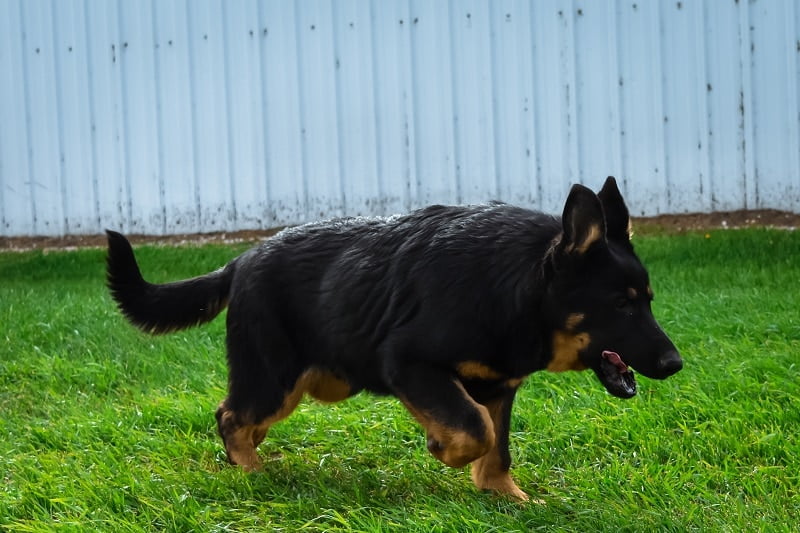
<point x="567" y="344"/>
<point x="476" y="370"/>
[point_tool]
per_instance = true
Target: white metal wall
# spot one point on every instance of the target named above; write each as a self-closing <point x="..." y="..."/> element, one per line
<point x="165" y="116"/>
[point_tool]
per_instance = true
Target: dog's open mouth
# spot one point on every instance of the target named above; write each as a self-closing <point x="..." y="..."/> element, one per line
<point x="616" y="375"/>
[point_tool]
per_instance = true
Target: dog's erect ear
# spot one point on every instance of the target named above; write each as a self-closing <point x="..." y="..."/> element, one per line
<point x="583" y="220"/>
<point x="618" y="221"/>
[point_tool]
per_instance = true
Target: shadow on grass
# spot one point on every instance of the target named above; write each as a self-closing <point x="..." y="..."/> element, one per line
<point x="409" y="485"/>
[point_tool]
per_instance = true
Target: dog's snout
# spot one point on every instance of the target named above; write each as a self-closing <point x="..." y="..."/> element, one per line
<point x="670" y="362"/>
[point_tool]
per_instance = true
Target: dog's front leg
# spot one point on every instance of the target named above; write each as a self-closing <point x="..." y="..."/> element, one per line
<point x="459" y="429"/>
<point x="490" y="472"/>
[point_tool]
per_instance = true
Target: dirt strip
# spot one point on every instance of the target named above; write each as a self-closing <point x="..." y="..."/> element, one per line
<point x="642" y="225"/>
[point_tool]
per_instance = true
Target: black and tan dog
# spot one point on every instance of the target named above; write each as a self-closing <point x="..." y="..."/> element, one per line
<point x="446" y="308"/>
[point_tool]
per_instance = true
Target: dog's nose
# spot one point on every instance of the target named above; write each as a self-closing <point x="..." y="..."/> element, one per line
<point x="670" y="362"/>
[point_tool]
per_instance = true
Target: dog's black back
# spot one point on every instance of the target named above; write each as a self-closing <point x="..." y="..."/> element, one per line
<point x="444" y="283"/>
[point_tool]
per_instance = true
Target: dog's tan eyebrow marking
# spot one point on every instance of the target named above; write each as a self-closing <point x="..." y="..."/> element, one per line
<point x="573" y="319"/>
<point x="632" y="293"/>
<point x="650" y="291"/>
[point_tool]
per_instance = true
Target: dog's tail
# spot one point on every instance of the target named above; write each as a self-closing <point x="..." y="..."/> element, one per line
<point x="168" y="307"/>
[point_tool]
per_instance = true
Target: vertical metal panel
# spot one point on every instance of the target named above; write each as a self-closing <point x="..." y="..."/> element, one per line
<point x="726" y="81"/>
<point x="174" y="114"/>
<point x="286" y="184"/>
<point x="244" y="111"/>
<point x="142" y="135"/>
<point x="355" y="101"/>
<point x="319" y="112"/>
<point x="210" y="113"/>
<point x="434" y="117"/>
<point x="685" y="114"/>
<point x="774" y="86"/>
<point x="642" y="103"/>
<point x="200" y="115"/>
<point x="16" y="202"/>
<point x="77" y="192"/>
<point x="105" y="111"/>
<point x="40" y="82"/>
<point x="393" y="98"/>
<point x="597" y="89"/>
<point x="473" y="105"/>
<point x="513" y="132"/>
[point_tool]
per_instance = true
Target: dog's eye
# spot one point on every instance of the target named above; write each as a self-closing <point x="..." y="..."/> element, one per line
<point x="622" y="302"/>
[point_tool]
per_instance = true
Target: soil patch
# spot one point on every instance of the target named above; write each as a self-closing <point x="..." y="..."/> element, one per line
<point x="765" y="218"/>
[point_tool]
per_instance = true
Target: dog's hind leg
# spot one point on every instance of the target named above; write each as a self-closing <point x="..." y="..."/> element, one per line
<point x="264" y="386"/>
<point x="242" y="431"/>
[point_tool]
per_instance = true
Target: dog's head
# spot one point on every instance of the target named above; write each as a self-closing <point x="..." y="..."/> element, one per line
<point x="599" y="297"/>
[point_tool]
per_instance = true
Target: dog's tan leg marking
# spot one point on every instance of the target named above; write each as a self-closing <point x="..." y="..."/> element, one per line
<point x="241" y="449"/>
<point x="241" y="440"/>
<point x="455" y="447"/>
<point x="238" y="439"/>
<point x="488" y="472"/>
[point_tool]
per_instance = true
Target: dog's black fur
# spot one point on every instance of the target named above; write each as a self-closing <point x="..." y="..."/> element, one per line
<point x="447" y="308"/>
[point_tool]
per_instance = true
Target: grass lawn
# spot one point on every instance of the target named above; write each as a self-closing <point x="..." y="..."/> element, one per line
<point x="104" y="428"/>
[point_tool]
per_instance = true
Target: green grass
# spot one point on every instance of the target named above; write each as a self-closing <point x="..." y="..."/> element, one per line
<point x="103" y="428"/>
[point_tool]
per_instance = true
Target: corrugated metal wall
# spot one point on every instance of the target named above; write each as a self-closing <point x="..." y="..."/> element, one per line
<point x="170" y="116"/>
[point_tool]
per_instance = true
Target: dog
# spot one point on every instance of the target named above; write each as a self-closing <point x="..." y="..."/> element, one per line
<point x="446" y="308"/>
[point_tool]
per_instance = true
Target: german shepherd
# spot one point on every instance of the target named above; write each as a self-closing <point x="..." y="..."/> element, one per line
<point x="446" y="308"/>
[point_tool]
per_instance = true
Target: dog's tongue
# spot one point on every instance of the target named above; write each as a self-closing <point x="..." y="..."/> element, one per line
<point x="616" y="375"/>
<point x="616" y="360"/>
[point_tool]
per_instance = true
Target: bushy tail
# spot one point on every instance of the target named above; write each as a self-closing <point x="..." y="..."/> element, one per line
<point x="168" y="307"/>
